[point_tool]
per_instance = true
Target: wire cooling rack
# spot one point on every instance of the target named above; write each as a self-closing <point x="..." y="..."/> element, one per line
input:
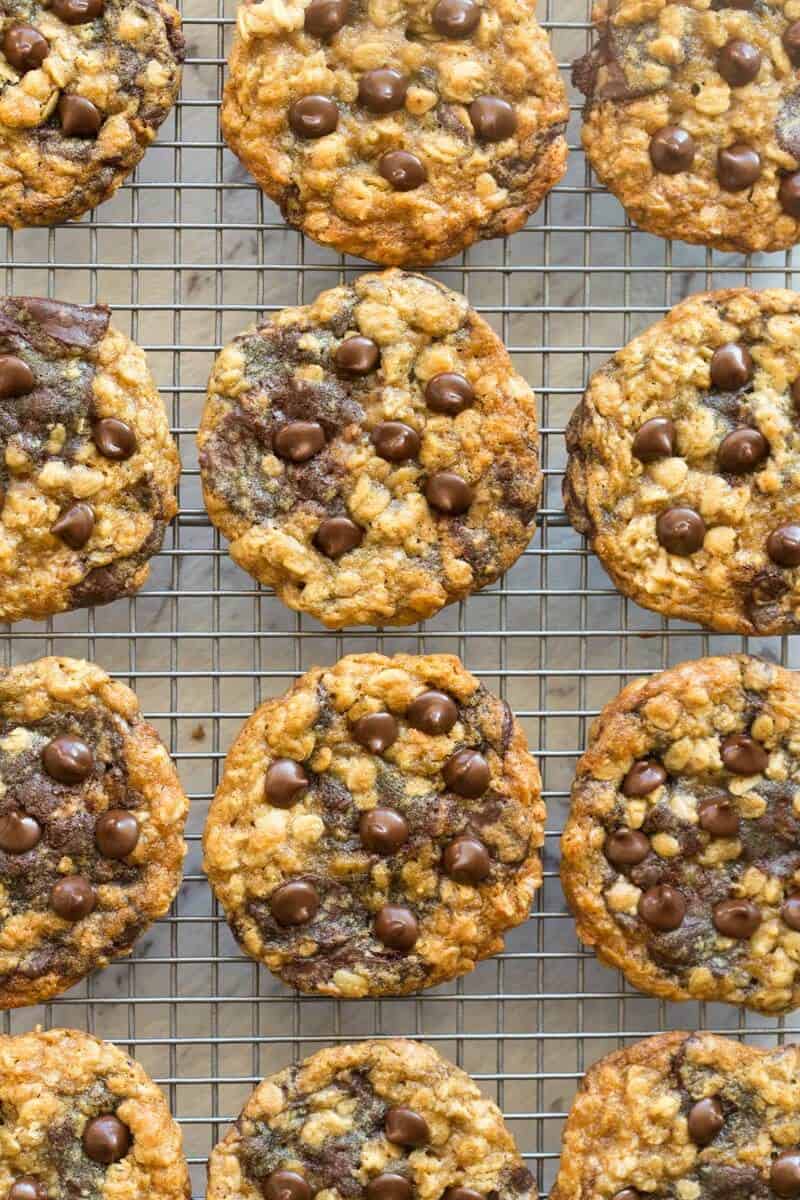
<point x="187" y="254"/>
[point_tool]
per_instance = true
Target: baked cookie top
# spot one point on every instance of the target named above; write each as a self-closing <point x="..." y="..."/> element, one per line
<point x="684" y="463"/>
<point x="91" y="818"/>
<point x="685" y="1115"/>
<point x="80" y="1118"/>
<point x="84" y="85"/>
<point x="399" y="132"/>
<point x="681" y="855"/>
<point x="87" y="465"/>
<point x="376" y="829"/>
<point x="691" y="117"/>
<point x="384" y="1119"/>
<point x="373" y="455"/>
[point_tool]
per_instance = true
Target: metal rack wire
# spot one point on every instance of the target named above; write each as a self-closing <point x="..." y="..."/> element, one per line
<point x="188" y="253"/>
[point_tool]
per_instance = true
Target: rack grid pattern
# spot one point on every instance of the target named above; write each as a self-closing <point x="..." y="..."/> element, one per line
<point x="187" y="254"/>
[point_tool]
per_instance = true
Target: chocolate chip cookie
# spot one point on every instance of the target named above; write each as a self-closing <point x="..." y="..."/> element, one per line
<point x="387" y="1120"/>
<point x="685" y="1115"/>
<point x="691" y="118"/>
<point x="80" y="1118"/>
<point x="681" y="856"/>
<point x="91" y="818"/>
<point x="376" y="829"/>
<point x="84" y="85"/>
<point x="373" y="455"/>
<point x="398" y="132"/>
<point x="88" y="468"/>
<point x="683" y="463"/>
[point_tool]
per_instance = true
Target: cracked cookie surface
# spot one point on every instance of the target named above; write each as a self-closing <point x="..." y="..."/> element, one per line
<point x="91" y="822"/>
<point x="88" y="468"/>
<point x="80" y="1118"/>
<point x="399" y="132"/>
<point x="684" y="463"/>
<point x="685" y="1116"/>
<point x="680" y="857"/>
<point x="691" y="117"/>
<point x="383" y="1119"/>
<point x="376" y="829"/>
<point x="373" y="455"/>
<point x="84" y="86"/>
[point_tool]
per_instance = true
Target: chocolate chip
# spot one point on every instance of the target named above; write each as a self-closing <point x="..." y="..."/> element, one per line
<point x="791" y="43"/>
<point x="662" y="907"/>
<point x="736" y="918"/>
<point x="643" y="778"/>
<point x="27" y="1188"/>
<point x="404" y="171"/>
<point x="73" y="898"/>
<point x="467" y="773"/>
<point x="16" y="377"/>
<point x="743" y="755"/>
<point x="404" y="1127"/>
<point x="299" y="440"/>
<point x="382" y="830"/>
<point x="672" y="150"/>
<point x="285" y="1185"/>
<point x="449" y="393"/>
<point x="79" y="117"/>
<point x="25" y="48"/>
<point x="796" y="395"/>
<point x="784" y="1175"/>
<point x="75" y="526"/>
<point x="376" y="731"/>
<point x="738" y="167"/>
<point x="324" y="18"/>
<point x="731" y="367"/>
<point x="114" y="439"/>
<point x="705" y="1120"/>
<point x="626" y="847"/>
<point x="466" y="860"/>
<point x="285" y="782"/>
<point x="627" y="1194"/>
<point x="396" y="927"/>
<point x="742" y="451"/>
<point x="18" y="832"/>
<point x="719" y="818"/>
<point x="680" y="531"/>
<point x="294" y="903"/>
<point x="493" y="119"/>
<point x="395" y="441"/>
<point x="313" y="116"/>
<point x="116" y="833"/>
<point x="655" y="439"/>
<point x="783" y="546"/>
<point x="337" y="535"/>
<point x="357" y="355"/>
<point x="432" y="712"/>
<point x="456" y="19"/>
<point x="791" y="911"/>
<point x="789" y="194"/>
<point x="738" y="62"/>
<point x="463" y="1193"/>
<point x="67" y="759"/>
<point x="389" y="1186"/>
<point x="448" y="493"/>
<point x="382" y="90"/>
<point x="106" y="1140"/>
<point x="77" y="12"/>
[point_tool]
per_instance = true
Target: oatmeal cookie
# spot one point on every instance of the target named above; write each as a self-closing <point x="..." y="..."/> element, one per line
<point x="376" y="829"/>
<point x="681" y="856"/>
<point x="84" y="85"/>
<point x="87" y="465"/>
<point x="91" y="817"/>
<point x="373" y="455"/>
<point x="399" y="132"/>
<point x="80" y="1118"/>
<point x="691" y="117"/>
<point x="388" y="1120"/>
<point x="684" y="463"/>
<point x="685" y="1116"/>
